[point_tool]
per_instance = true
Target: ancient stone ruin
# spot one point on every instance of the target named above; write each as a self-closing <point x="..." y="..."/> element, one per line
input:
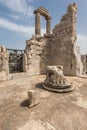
<point x="55" y="80"/>
<point x="65" y="52"/>
<point x="4" y="68"/>
<point x="58" y="48"/>
<point x="56" y="55"/>
<point x="15" y="60"/>
<point x="44" y="12"/>
<point x="35" y="57"/>
<point x="33" y="98"/>
<point x="84" y="61"/>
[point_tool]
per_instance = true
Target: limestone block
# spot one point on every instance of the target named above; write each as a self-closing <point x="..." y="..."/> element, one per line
<point x="33" y="98"/>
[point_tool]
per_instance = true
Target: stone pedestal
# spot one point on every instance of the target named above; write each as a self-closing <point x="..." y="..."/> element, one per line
<point x="55" y="80"/>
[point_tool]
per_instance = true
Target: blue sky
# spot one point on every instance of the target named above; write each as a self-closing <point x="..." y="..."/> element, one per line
<point x="17" y="20"/>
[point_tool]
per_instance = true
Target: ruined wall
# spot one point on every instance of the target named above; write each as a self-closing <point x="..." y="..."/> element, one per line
<point x="4" y="68"/>
<point x="58" y="48"/>
<point x="35" y="59"/>
<point x="64" y="50"/>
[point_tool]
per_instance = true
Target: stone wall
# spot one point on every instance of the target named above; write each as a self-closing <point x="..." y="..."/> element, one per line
<point x="58" y="48"/>
<point x="35" y="59"/>
<point x="4" y="68"/>
<point x="64" y="50"/>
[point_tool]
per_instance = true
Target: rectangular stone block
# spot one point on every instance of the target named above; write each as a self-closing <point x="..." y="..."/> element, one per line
<point x="33" y="98"/>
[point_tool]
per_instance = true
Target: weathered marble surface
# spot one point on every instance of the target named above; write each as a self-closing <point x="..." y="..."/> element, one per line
<point x="35" y="59"/>
<point x="66" y="111"/>
<point x="64" y="49"/>
<point x="55" y="80"/>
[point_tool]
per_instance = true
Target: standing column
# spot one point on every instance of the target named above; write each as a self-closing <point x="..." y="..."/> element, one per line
<point x="48" y="25"/>
<point x="37" y="24"/>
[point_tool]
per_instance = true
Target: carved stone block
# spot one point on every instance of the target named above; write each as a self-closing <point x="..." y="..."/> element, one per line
<point x="33" y="98"/>
<point x="55" y="80"/>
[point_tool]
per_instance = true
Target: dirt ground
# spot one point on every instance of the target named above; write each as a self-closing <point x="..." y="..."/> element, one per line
<point x="56" y="111"/>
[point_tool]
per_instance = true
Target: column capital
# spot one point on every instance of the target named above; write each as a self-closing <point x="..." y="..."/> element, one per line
<point x="36" y="11"/>
<point x="48" y="18"/>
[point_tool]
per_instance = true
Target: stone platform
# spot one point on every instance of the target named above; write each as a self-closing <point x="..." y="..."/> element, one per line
<point x="56" y="111"/>
<point x="59" y="88"/>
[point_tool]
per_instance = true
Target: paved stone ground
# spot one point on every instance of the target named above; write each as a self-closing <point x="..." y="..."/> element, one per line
<point x="56" y="111"/>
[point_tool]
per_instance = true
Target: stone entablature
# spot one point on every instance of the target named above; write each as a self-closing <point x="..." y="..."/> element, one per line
<point x="43" y="11"/>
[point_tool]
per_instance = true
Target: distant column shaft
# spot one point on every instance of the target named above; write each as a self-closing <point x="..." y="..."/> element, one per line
<point x="48" y="26"/>
<point x="37" y="24"/>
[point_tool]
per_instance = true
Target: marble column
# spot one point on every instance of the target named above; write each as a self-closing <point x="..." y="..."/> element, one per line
<point x="48" y="25"/>
<point x="37" y="24"/>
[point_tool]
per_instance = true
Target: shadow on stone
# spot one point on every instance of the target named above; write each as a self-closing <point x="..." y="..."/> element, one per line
<point x="25" y="103"/>
<point x="40" y="86"/>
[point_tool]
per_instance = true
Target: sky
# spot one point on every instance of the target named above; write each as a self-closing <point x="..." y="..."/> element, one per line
<point x="17" y="20"/>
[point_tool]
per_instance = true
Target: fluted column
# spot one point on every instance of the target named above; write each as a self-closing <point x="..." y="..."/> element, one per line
<point x="37" y="24"/>
<point x="48" y="25"/>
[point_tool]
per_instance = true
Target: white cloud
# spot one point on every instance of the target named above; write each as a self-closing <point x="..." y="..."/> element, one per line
<point x="15" y="27"/>
<point x="22" y="30"/>
<point x="82" y="42"/>
<point x="20" y="7"/>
